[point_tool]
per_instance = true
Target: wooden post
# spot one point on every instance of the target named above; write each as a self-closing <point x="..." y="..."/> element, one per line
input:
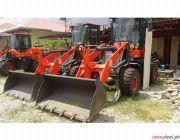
<point x="147" y="59"/>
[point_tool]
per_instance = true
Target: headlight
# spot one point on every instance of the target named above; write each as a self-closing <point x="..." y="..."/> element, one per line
<point x="136" y="46"/>
<point x="132" y="46"/>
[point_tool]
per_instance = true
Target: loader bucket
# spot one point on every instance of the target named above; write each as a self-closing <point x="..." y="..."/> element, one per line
<point x="22" y="85"/>
<point x="77" y="98"/>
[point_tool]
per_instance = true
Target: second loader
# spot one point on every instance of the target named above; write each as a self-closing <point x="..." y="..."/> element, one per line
<point x="19" y="53"/>
<point x="28" y="85"/>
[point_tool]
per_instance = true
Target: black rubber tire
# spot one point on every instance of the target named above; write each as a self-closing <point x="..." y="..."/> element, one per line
<point x="31" y="66"/>
<point x="121" y="81"/>
<point x="153" y="72"/>
<point x="126" y="82"/>
<point x="4" y="69"/>
<point x="74" y="70"/>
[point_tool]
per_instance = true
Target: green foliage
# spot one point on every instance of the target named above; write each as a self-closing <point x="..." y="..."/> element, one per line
<point x="53" y="44"/>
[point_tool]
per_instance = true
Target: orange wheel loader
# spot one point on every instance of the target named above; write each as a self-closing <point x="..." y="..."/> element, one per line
<point x="20" y="54"/>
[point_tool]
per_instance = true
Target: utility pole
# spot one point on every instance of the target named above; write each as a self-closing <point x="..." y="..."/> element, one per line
<point x="65" y="25"/>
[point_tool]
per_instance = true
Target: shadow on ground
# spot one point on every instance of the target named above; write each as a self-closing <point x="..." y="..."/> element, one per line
<point x="103" y="118"/>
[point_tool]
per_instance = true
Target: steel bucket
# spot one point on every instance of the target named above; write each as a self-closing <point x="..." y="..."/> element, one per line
<point x="22" y="85"/>
<point x="77" y="98"/>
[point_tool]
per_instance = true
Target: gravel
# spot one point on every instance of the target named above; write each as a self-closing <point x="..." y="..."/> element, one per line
<point x="14" y="110"/>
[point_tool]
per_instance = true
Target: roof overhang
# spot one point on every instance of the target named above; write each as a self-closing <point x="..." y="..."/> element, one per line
<point x="61" y="35"/>
<point x="4" y="34"/>
<point x="27" y="29"/>
<point x="166" y="24"/>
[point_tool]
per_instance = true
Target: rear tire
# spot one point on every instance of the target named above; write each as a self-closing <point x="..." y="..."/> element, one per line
<point x="6" y="67"/>
<point x="130" y="82"/>
<point x="154" y="72"/>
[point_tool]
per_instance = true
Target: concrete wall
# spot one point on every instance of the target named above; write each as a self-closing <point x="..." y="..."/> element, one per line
<point x="39" y="33"/>
<point x="174" y="51"/>
<point x="158" y="46"/>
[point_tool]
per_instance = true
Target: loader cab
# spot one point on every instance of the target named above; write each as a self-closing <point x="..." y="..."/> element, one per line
<point x="131" y="30"/>
<point x="87" y="34"/>
<point x="21" y="41"/>
<point x="4" y="41"/>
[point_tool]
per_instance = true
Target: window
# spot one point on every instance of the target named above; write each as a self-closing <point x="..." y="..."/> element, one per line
<point x="20" y="41"/>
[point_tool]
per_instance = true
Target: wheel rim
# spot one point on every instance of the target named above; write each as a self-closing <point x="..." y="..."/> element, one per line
<point x="117" y="95"/>
<point x="135" y="83"/>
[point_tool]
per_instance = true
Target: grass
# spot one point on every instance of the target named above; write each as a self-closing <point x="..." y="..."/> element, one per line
<point x="143" y="109"/>
<point x="159" y="81"/>
<point x="110" y="90"/>
<point x="15" y="112"/>
<point x="140" y="107"/>
<point x="36" y="118"/>
<point x="2" y="78"/>
<point x="21" y="112"/>
<point x="28" y="114"/>
<point x="110" y="95"/>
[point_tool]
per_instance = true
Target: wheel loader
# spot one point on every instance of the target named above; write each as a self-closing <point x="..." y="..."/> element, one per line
<point x="57" y="62"/>
<point x="82" y="96"/>
<point x="20" y="54"/>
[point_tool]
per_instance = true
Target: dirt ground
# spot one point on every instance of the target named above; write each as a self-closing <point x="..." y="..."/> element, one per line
<point x="148" y="106"/>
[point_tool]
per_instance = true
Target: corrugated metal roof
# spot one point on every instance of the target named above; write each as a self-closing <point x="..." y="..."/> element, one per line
<point x="42" y="24"/>
<point x="6" y="26"/>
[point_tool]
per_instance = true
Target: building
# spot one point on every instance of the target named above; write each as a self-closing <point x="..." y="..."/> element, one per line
<point x="166" y="40"/>
<point x="38" y="28"/>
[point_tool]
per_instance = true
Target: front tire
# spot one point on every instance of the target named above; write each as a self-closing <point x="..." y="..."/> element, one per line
<point x="130" y="83"/>
<point x="6" y="67"/>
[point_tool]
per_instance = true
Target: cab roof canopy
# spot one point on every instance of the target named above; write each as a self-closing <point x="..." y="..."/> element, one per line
<point x="86" y="23"/>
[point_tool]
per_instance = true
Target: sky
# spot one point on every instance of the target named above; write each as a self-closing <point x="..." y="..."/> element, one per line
<point x="19" y="21"/>
<point x="93" y="20"/>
